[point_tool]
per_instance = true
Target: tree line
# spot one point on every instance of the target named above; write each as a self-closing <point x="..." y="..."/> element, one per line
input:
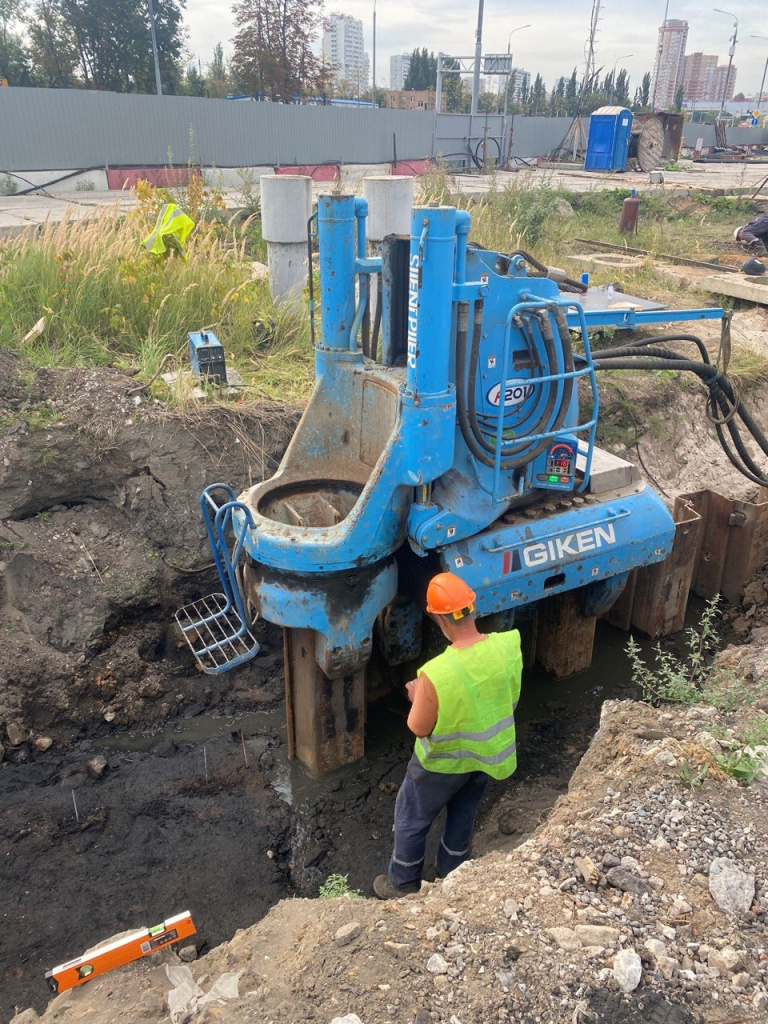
<point x="567" y="97"/>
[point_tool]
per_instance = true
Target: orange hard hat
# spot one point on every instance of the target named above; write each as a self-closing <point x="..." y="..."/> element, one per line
<point x="449" y="595"/>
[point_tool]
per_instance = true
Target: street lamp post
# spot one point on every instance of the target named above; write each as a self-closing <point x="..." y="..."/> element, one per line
<point x="731" y="51"/>
<point x="613" y="74"/>
<point x="478" y="57"/>
<point x="373" y="84"/>
<point x="765" y="69"/>
<point x="509" y="63"/>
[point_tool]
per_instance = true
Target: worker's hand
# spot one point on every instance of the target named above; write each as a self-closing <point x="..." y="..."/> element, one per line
<point x="410" y="689"/>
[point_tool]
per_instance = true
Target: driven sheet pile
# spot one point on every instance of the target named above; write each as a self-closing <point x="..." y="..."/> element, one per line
<point x="451" y="429"/>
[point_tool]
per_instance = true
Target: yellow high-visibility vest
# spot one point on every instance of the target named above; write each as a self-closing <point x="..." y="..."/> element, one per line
<point x="172" y="225"/>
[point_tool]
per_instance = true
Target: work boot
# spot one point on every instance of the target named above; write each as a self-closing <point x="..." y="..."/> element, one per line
<point x="386" y="891"/>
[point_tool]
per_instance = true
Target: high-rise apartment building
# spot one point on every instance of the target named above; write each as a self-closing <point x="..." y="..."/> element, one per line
<point x="399" y="66"/>
<point x="719" y="78"/>
<point x="668" y="65"/>
<point x="343" y="48"/>
<point x="698" y="70"/>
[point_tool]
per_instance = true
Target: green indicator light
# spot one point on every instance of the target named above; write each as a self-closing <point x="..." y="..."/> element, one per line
<point x="553" y="479"/>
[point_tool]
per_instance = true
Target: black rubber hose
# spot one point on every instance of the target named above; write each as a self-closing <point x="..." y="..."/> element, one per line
<point x="644" y="342"/>
<point x="376" y="321"/>
<point x="721" y="395"/>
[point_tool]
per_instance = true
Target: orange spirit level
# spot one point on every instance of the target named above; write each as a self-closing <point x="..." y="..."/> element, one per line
<point x="121" y="951"/>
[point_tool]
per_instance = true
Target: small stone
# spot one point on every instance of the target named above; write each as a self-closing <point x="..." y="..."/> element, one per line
<point x="610" y="860"/>
<point x="42" y="743"/>
<point x="754" y="593"/>
<point x="437" y="964"/>
<point x="350" y="1018"/>
<point x="188" y="954"/>
<point x="97" y="766"/>
<point x="588" y="870"/>
<point x="666" y="758"/>
<point x="680" y="908"/>
<point x="423" y="1017"/>
<point x="627" y="969"/>
<point x="511" y="909"/>
<point x="566" y="938"/>
<point x="627" y="881"/>
<point x="725" y="960"/>
<point x="656" y="948"/>
<point x="16" y="733"/>
<point x="667" y="966"/>
<point x="731" y="888"/>
<point x="759" y="1001"/>
<point x="347" y="933"/>
<point x="28" y="1017"/>
<point x="597" y="935"/>
<point x="741" y="980"/>
<point x="398" y="949"/>
<point x="441" y="982"/>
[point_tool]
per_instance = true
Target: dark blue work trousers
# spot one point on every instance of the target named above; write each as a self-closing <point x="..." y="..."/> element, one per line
<point x="422" y="796"/>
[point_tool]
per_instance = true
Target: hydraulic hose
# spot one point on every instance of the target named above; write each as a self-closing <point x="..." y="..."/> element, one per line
<point x="724" y="403"/>
<point x="476" y="427"/>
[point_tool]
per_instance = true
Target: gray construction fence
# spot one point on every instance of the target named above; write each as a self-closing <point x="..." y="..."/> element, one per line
<point x="47" y="129"/>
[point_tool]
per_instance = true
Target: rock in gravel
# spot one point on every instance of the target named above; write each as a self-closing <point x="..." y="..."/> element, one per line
<point x="97" y="766"/>
<point x="29" y="1016"/>
<point x="566" y="938"/>
<point x="399" y="949"/>
<point x="16" y="733"/>
<point x="597" y="935"/>
<point x="188" y="954"/>
<point x="725" y="960"/>
<point x="423" y="1017"/>
<point x="731" y="888"/>
<point x="437" y="964"/>
<point x="667" y="966"/>
<point x="588" y="870"/>
<point x="627" y="969"/>
<point x="656" y="948"/>
<point x="43" y="743"/>
<point x="759" y="1001"/>
<point x="511" y="907"/>
<point x="347" y="933"/>
<point x="627" y="881"/>
<point x="350" y="1018"/>
<point x="741" y="980"/>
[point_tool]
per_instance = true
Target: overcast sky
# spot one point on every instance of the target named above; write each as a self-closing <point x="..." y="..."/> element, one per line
<point x="553" y="43"/>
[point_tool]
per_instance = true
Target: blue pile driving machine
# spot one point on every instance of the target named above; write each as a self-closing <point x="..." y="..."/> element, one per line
<point x="451" y="428"/>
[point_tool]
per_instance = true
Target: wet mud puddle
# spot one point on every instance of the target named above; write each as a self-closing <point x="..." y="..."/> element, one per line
<point x="209" y="816"/>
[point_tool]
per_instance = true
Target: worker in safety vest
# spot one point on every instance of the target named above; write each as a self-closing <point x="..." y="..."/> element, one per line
<point x="463" y="718"/>
<point x="754" y="236"/>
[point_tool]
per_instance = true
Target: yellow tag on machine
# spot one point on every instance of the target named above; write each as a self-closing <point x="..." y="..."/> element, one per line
<point x="172" y="229"/>
<point x="121" y="951"/>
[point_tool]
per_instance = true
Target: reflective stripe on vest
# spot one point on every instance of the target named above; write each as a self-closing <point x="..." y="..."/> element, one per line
<point x="172" y="223"/>
<point x="458" y="755"/>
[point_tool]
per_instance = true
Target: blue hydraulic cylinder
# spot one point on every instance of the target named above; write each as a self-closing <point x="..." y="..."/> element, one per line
<point x="337" y="232"/>
<point x="430" y="296"/>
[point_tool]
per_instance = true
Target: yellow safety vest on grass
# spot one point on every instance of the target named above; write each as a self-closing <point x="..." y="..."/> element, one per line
<point x="173" y="228"/>
<point x="477" y="691"/>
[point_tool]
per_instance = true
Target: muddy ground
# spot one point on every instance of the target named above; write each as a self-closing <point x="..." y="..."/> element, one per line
<point x="99" y="490"/>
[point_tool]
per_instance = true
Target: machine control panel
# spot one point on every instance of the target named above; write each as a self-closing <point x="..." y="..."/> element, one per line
<point x="555" y="469"/>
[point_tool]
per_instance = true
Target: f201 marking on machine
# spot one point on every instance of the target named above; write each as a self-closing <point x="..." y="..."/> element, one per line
<point x="413" y="309"/>
<point x="515" y="392"/>
<point x="571" y="545"/>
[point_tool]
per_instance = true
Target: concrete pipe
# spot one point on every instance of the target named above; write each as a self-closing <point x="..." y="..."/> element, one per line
<point x="286" y="206"/>
<point x="390" y="201"/>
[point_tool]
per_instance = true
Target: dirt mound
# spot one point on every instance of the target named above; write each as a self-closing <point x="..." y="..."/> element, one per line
<point x="99" y="512"/>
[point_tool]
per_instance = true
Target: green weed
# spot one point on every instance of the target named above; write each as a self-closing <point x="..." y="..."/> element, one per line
<point x="692" y="777"/>
<point x="336" y="886"/>
<point x="740" y="765"/>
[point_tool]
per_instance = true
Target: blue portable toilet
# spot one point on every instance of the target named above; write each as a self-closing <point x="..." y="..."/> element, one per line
<point x="610" y="129"/>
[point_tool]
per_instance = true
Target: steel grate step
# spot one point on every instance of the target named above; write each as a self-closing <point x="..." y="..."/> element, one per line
<point x="216" y="634"/>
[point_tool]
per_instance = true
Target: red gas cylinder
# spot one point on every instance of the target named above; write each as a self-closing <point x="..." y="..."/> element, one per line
<point x="629" y="210"/>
